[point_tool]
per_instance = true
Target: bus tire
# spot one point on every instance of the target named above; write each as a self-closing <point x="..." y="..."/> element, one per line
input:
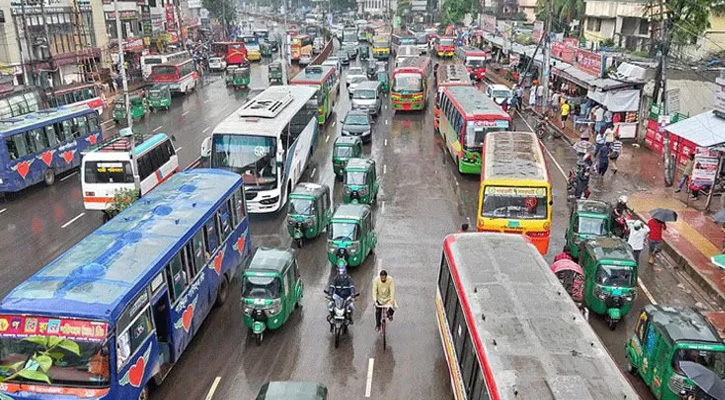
<point x="144" y="395"/>
<point x="49" y="177"/>
<point x="223" y="292"/>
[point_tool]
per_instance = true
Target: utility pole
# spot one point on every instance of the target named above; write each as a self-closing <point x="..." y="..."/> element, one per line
<point x="669" y="163"/>
<point x="129" y="118"/>
<point x="547" y="51"/>
<point x="51" y="61"/>
<point x="285" y="40"/>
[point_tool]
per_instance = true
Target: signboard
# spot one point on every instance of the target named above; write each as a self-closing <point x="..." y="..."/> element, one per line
<point x="194" y="4"/>
<point x="538" y="32"/>
<point x="515" y="191"/>
<point x="705" y="169"/>
<point x="128" y="15"/>
<point x="489" y="23"/>
<point x="590" y="62"/>
<point x="491" y="124"/>
<point x="23" y="326"/>
<point x="557" y="48"/>
<point x="568" y="54"/>
<point x="514" y="59"/>
<point x="672" y="97"/>
<point x="719" y="101"/>
<point x="571" y="42"/>
<point x="170" y="17"/>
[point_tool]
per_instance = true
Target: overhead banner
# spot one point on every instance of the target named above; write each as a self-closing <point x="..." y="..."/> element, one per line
<point x="538" y="30"/>
<point x="489" y="23"/>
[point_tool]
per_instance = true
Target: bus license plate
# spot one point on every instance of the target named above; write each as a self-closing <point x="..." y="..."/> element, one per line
<point x="514" y="224"/>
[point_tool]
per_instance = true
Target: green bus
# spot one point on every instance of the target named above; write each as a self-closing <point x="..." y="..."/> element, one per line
<point x="324" y="79"/>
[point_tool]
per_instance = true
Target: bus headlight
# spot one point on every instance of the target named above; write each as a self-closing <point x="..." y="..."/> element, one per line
<point x="418" y="97"/>
<point x="269" y="201"/>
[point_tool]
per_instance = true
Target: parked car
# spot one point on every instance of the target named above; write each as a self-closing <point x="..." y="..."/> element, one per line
<point x="354" y="72"/>
<point x="217" y="64"/>
<point x="317" y="45"/>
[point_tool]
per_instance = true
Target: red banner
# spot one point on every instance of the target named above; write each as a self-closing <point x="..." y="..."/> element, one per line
<point x="170" y="17"/>
<point x="568" y="54"/>
<point x="589" y="62"/>
<point x="23" y="326"/>
<point x="557" y="48"/>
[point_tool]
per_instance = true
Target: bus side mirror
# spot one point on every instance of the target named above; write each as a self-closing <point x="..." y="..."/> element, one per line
<point x="206" y="148"/>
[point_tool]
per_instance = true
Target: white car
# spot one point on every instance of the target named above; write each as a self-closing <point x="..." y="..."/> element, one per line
<point x="353" y="73"/>
<point x="305" y="58"/>
<point x="354" y="83"/>
<point x="217" y="64"/>
<point x="498" y="93"/>
<point x="334" y="61"/>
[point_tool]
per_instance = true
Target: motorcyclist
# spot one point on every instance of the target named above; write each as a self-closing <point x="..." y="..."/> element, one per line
<point x="621" y="208"/>
<point x="342" y="287"/>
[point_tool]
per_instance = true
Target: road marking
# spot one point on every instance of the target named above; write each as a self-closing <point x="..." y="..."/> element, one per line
<point x="185" y="112"/>
<point x="68" y="176"/>
<point x="647" y="292"/>
<point x="382" y="206"/>
<point x="206" y="129"/>
<point x="327" y="138"/>
<point x="158" y="128"/>
<point x="386" y="122"/>
<point x="110" y="121"/>
<point x="72" y="221"/>
<point x="3" y="210"/>
<point x="207" y="100"/>
<point x="312" y="175"/>
<point x="369" y="383"/>
<point x="212" y="390"/>
<point x="385" y="169"/>
<point x="333" y="123"/>
<point x="386" y="142"/>
<point x="179" y="148"/>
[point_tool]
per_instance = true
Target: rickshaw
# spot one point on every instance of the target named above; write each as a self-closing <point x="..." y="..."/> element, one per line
<point x="588" y="219"/>
<point x="289" y="390"/>
<point x="350" y="235"/>
<point x="345" y="148"/>
<point x="572" y="278"/>
<point x="266" y="49"/>
<point x="241" y="77"/>
<point x="611" y="277"/>
<point x="360" y="181"/>
<point x="275" y="72"/>
<point x="159" y="96"/>
<point x="384" y="78"/>
<point x="229" y="75"/>
<point x="309" y="211"/>
<point x="364" y="53"/>
<point x="135" y="105"/>
<point x="665" y="336"/>
<point x="271" y="290"/>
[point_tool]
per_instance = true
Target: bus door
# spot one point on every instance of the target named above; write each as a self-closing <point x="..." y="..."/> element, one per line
<point x="162" y="320"/>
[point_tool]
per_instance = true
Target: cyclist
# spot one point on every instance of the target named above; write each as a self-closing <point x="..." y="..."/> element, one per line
<point x="383" y="295"/>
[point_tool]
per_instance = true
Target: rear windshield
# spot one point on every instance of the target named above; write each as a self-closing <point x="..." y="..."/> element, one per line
<point x="108" y="172"/>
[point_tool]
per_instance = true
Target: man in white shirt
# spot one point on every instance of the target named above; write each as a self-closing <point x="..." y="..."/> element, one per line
<point x="540" y="95"/>
<point x="599" y="119"/>
<point x="637" y="235"/>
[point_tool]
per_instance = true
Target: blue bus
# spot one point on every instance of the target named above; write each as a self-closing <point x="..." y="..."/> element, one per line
<point x="38" y="146"/>
<point x="119" y="308"/>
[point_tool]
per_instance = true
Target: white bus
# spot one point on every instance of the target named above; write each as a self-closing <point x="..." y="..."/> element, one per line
<point x="269" y="141"/>
<point x="150" y="60"/>
<point x="107" y="168"/>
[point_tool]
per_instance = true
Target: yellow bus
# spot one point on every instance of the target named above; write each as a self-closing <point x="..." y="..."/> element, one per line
<point x="515" y="195"/>
<point x="300" y="44"/>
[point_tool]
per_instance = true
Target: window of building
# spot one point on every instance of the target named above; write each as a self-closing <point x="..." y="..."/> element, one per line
<point x="594" y="24"/>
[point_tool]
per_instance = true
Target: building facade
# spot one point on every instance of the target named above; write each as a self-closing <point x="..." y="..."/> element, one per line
<point x="623" y="22"/>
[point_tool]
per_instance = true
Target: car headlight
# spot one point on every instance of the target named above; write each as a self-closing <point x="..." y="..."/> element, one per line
<point x="367" y="132"/>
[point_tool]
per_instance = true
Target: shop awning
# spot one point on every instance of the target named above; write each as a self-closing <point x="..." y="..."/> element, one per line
<point x="705" y="130"/>
<point x="616" y="100"/>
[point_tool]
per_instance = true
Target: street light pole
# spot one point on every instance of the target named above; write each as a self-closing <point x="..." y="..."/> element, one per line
<point x="129" y="118"/>
<point x="285" y="40"/>
<point x="547" y="53"/>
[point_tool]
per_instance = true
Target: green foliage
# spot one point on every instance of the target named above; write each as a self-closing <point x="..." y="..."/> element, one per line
<point x="565" y="11"/>
<point x="122" y="199"/>
<point x="453" y="11"/>
<point x="45" y="355"/>
<point x="227" y="10"/>
<point x="688" y="19"/>
<point x="606" y="43"/>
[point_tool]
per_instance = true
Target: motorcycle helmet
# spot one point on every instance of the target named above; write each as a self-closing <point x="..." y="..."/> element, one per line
<point x="622" y="199"/>
<point x="341" y="270"/>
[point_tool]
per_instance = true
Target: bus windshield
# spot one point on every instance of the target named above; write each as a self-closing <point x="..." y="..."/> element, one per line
<point x="250" y="39"/>
<point x="90" y="368"/>
<point x="514" y="202"/>
<point x="343" y="231"/>
<point x="446" y="42"/>
<point x="615" y="275"/>
<point x="408" y="83"/>
<point x="152" y="60"/>
<point x="253" y="157"/>
<point x="711" y="359"/>
<point x="108" y="172"/>
<point x="475" y="62"/>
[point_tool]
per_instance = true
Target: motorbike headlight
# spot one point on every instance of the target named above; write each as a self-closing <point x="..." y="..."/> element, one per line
<point x="347" y="190"/>
<point x="310" y="222"/>
<point x="354" y="248"/>
<point x="629" y="296"/>
<point x="363" y="191"/>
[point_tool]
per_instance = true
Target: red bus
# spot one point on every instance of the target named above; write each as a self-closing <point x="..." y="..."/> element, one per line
<point x="448" y="75"/>
<point x="474" y="59"/>
<point x="410" y="84"/>
<point x="180" y="76"/>
<point x="445" y="46"/>
<point x="89" y="94"/>
<point x="235" y="53"/>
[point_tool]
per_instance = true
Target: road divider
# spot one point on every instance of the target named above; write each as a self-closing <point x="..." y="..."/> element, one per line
<point x="158" y="128"/>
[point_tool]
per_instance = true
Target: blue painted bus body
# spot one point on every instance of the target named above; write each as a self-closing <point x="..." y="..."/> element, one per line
<point x="123" y="272"/>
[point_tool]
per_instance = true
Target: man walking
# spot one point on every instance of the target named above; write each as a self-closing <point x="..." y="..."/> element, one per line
<point x="616" y="149"/>
<point x="540" y="95"/>
<point x="637" y="236"/>
<point x="655" y="238"/>
<point x="686" y="173"/>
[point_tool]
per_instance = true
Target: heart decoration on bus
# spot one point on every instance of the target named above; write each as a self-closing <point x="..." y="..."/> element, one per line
<point x="68" y="156"/>
<point x="93" y="139"/>
<point x="135" y="374"/>
<point x="217" y="265"/>
<point x="47" y="157"/>
<point x="186" y="316"/>
<point x="239" y="244"/>
<point x="23" y="167"/>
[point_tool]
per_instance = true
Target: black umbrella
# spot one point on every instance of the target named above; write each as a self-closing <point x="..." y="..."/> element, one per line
<point x="705" y="379"/>
<point x="719" y="216"/>
<point x="663" y="215"/>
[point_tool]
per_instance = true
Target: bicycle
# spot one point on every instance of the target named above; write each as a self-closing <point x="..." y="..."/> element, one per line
<point x="383" y="320"/>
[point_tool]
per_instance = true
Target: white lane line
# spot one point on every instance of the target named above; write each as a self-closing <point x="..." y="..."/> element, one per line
<point x="110" y="121"/>
<point x="207" y="100"/>
<point x="212" y="390"/>
<point x="184" y="113"/>
<point x="158" y="128"/>
<point x="386" y="122"/>
<point x="647" y="292"/>
<point x="179" y="148"/>
<point x="369" y="383"/>
<point x="327" y="138"/>
<point x="333" y="123"/>
<point x="72" y="221"/>
<point x="206" y="129"/>
<point x="386" y="142"/>
<point x="385" y="169"/>
<point x="3" y="210"/>
<point x="382" y="206"/>
<point x="68" y="176"/>
<point x="312" y="175"/>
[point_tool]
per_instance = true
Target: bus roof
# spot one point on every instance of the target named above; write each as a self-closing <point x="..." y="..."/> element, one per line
<point x="268" y="113"/>
<point x="682" y="324"/>
<point x="173" y="63"/>
<point x="528" y="335"/>
<point x="473" y="102"/>
<point x="123" y="144"/>
<point x="412" y="64"/>
<point x="313" y="75"/>
<point x="101" y="274"/>
<point x="13" y="125"/>
<point x="453" y="75"/>
<point x="474" y="51"/>
<point x="513" y="156"/>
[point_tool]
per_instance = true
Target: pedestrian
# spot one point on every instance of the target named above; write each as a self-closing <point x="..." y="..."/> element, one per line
<point x="687" y="172"/>
<point x="608" y="116"/>
<point x="540" y="95"/>
<point x="655" y="238"/>
<point x="609" y="133"/>
<point x="513" y="105"/>
<point x="616" y="150"/>
<point x="520" y="97"/>
<point x="532" y="97"/>
<point x="599" y="119"/>
<point x="603" y="163"/>
<point x="599" y="143"/>
<point x="565" y="112"/>
<point x="505" y="105"/>
<point x="637" y="236"/>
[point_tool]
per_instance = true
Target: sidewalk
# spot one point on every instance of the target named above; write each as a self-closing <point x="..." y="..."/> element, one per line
<point x="690" y="241"/>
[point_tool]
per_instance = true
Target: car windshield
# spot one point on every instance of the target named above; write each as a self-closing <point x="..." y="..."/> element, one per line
<point x="215" y="60"/>
<point x="514" y="202"/>
<point x="342" y="55"/>
<point x="260" y="287"/>
<point x="299" y="206"/>
<point x="711" y="359"/>
<point x="364" y="94"/>
<point x="592" y="226"/>
<point x="356" y="119"/>
<point x="108" y="172"/>
<point x="343" y="151"/>
<point x="90" y="368"/>
<point x="355" y="178"/>
<point x="408" y="83"/>
<point x="343" y="231"/>
<point x="501" y="94"/>
<point x="355" y="71"/>
<point x="615" y="275"/>
<point x="477" y="130"/>
<point x="253" y="157"/>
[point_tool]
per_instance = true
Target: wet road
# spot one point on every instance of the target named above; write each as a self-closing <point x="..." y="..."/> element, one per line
<point x="421" y="200"/>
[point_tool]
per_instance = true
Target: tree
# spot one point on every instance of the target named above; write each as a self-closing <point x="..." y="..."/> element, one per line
<point x="223" y="10"/>
<point x="47" y="352"/>
<point x="453" y="11"/>
<point x="122" y="198"/>
<point x="565" y="11"/>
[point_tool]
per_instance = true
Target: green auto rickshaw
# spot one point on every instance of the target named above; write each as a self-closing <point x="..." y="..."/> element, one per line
<point x="350" y="235"/>
<point x="271" y="290"/>
<point x="229" y="75"/>
<point x="275" y="72"/>
<point x="266" y="49"/>
<point x="345" y="148"/>
<point x="241" y="78"/>
<point x="309" y="211"/>
<point x="611" y="277"/>
<point x="384" y="79"/>
<point x="360" y="181"/>
<point x="666" y="336"/>
<point x="135" y="105"/>
<point x="588" y="219"/>
<point x="364" y="53"/>
<point x="159" y="96"/>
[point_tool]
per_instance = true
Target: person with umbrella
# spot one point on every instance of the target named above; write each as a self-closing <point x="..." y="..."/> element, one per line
<point x="709" y="384"/>
<point x="657" y="225"/>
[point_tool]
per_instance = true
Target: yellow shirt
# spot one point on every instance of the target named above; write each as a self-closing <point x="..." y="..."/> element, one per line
<point x="565" y="109"/>
<point x="384" y="292"/>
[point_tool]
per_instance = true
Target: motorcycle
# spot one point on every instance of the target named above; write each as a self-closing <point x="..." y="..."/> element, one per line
<point x="339" y="316"/>
<point x="620" y="226"/>
<point x="571" y="187"/>
<point x="543" y="130"/>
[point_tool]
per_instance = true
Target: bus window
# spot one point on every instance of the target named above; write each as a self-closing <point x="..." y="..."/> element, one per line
<point x="177" y="277"/>
<point x="82" y="129"/>
<point x="93" y="124"/>
<point x="68" y="130"/>
<point x="224" y="223"/>
<point x="199" y="253"/>
<point x="128" y="342"/>
<point x="212" y="240"/>
<point x="51" y="136"/>
<point x="36" y="140"/>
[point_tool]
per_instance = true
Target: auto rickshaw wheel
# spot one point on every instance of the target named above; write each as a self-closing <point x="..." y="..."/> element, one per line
<point x="258" y="338"/>
<point x="631" y="368"/>
<point x="144" y="395"/>
<point x="611" y="324"/>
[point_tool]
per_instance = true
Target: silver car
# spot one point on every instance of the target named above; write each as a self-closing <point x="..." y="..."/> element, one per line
<point x="354" y="72"/>
<point x="367" y="97"/>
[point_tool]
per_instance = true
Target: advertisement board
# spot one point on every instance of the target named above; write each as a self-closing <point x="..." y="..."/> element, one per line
<point x="705" y="169"/>
<point x="538" y="31"/>
<point x="489" y="23"/>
